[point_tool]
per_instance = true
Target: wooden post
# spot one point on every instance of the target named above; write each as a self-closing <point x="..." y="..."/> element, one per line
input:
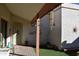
<point x="37" y="36"/>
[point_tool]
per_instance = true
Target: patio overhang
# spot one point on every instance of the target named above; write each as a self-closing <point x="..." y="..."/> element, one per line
<point x="44" y="10"/>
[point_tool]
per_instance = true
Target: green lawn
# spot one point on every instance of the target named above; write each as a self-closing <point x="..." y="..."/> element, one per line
<point x="48" y="52"/>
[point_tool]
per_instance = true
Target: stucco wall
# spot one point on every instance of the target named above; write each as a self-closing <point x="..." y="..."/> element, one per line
<point x="44" y="30"/>
<point x="23" y="26"/>
<point x="70" y="20"/>
<point x="26" y="30"/>
<point x="65" y="32"/>
<point x="32" y="36"/>
<point x="55" y="31"/>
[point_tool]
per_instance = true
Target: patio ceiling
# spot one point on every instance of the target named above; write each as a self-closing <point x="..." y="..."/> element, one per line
<point x="24" y="10"/>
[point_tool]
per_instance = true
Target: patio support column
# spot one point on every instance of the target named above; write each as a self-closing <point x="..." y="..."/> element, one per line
<point x="37" y="36"/>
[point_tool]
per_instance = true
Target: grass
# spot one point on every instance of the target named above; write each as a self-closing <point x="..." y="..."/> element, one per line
<point x="48" y="52"/>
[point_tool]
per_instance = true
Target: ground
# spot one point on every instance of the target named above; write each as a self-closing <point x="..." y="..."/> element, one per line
<point x="53" y="52"/>
<point x="48" y="52"/>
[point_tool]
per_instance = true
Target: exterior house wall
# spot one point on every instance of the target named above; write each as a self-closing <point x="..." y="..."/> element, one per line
<point x="32" y="36"/>
<point x="44" y="30"/>
<point x="55" y="28"/>
<point x="26" y="31"/>
<point x="23" y="26"/>
<point x="70" y="22"/>
<point x="65" y="32"/>
<point x="16" y="33"/>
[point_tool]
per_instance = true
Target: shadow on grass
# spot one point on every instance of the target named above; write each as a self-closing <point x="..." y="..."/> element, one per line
<point x="56" y="52"/>
<point x="71" y="53"/>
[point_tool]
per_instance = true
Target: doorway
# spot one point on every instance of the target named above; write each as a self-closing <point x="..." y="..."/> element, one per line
<point x="4" y="31"/>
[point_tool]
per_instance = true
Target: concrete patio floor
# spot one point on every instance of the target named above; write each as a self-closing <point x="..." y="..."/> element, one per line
<point x="22" y="51"/>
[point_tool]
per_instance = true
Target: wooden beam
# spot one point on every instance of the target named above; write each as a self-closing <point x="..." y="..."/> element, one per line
<point x="37" y="36"/>
<point x="44" y="10"/>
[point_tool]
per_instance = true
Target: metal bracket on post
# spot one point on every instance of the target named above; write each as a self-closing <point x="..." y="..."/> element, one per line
<point x="37" y="36"/>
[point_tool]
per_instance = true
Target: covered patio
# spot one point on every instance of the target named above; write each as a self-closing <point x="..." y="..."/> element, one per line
<point x="19" y="19"/>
